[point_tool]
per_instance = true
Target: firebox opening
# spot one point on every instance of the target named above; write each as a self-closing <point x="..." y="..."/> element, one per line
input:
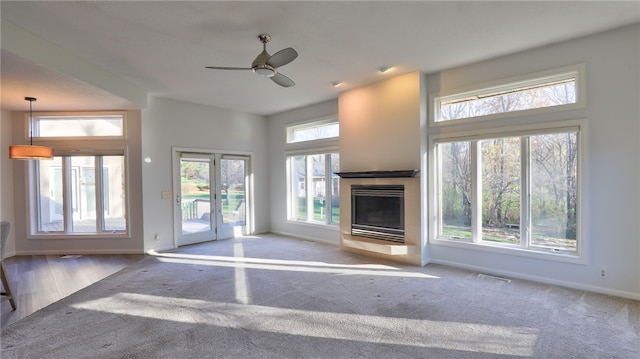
<point x="378" y="212"/>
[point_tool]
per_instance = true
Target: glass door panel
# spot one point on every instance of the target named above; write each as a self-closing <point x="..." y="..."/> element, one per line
<point x="233" y="195"/>
<point x="195" y="202"/>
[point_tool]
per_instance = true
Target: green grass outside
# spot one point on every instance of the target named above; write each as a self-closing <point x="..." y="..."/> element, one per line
<point x="319" y="213"/>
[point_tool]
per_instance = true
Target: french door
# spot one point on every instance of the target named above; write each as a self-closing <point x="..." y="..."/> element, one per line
<point x="211" y="200"/>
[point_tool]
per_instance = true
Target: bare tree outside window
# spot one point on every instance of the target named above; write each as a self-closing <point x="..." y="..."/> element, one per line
<point x="543" y="95"/>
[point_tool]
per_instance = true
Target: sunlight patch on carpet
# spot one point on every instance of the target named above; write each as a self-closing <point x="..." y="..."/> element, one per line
<point x="289" y="265"/>
<point x="270" y="261"/>
<point x="242" y="295"/>
<point x="343" y="326"/>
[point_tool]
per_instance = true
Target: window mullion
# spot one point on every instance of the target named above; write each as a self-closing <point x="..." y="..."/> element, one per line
<point x="99" y="194"/>
<point x="67" y="192"/>
<point x="476" y="192"/>
<point x="525" y="193"/>
<point x="327" y="187"/>
<point x="308" y="186"/>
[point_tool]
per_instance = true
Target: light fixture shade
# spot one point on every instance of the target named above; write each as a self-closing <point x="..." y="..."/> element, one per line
<point x="30" y="152"/>
<point x="264" y="71"/>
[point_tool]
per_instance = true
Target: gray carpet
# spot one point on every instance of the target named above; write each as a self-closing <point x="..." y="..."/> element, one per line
<point x="277" y="297"/>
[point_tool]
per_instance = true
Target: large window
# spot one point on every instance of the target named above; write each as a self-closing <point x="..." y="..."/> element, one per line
<point x="313" y="188"/>
<point x="513" y="191"/>
<point x="83" y="190"/>
<point x="80" y="195"/>
<point x="502" y="184"/>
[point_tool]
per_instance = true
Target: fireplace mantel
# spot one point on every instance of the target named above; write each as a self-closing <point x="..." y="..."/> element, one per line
<point x="380" y="174"/>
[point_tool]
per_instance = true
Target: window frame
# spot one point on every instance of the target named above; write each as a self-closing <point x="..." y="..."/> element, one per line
<point x="34" y="210"/>
<point x="88" y="146"/>
<point x="328" y="187"/>
<point x="579" y="126"/>
<point x="512" y="83"/>
<point x="323" y="146"/>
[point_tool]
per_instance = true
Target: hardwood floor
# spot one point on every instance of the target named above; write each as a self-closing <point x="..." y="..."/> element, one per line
<point x="37" y="281"/>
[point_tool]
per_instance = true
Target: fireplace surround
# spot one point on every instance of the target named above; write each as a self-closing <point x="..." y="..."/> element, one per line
<point x="407" y="251"/>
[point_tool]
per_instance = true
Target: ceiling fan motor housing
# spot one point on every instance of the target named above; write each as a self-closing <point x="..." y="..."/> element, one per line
<point x="259" y="65"/>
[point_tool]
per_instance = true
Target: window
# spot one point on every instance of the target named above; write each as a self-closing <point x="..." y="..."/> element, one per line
<point x="314" y="188"/>
<point x="317" y="130"/>
<point x="503" y="185"/>
<point x="80" y="195"/>
<point x="512" y="191"/>
<point x="560" y="89"/>
<point x="83" y="190"/>
<point x="103" y="124"/>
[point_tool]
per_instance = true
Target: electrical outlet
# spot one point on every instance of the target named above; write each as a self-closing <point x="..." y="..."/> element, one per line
<point x="603" y="273"/>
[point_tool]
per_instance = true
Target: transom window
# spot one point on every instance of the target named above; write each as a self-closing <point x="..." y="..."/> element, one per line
<point x="317" y="130"/>
<point x="559" y="89"/>
<point x="111" y="124"/>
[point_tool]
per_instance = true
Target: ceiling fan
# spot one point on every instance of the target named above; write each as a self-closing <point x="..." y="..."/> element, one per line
<point x="267" y="65"/>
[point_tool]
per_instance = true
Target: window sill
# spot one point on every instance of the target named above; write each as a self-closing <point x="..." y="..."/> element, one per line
<point x="549" y="254"/>
<point x="332" y="226"/>
<point x="107" y="236"/>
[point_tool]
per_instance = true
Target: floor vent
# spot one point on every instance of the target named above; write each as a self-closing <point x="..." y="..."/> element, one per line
<point x="494" y="277"/>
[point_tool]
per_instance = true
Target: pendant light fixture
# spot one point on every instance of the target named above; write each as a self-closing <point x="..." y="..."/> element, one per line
<point x="30" y="152"/>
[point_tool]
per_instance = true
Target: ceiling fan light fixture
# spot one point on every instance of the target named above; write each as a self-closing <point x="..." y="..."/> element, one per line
<point x="264" y="71"/>
<point x="30" y="152"/>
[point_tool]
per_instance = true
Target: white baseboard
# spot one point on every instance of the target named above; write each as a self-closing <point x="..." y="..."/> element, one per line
<point x="54" y="252"/>
<point x="561" y="283"/>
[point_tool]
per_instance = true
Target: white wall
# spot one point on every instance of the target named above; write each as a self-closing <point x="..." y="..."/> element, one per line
<point x="611" y="197"/>
<point x="6" y="177"/>
<point x="277" y="160"/>
<point x="380" y="125"/>
<point x="169" y="123"/>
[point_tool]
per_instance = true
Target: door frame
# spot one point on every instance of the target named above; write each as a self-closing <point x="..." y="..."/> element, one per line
<point x="216" y="154"/>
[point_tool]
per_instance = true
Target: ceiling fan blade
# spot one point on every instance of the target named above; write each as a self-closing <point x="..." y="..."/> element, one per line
<point x="282" y="80"/>
<point x="227" y="68"/>
<point x="282" y="57"/>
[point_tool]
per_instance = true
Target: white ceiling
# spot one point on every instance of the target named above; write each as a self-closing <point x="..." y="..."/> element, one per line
<point x="162" y="47"/>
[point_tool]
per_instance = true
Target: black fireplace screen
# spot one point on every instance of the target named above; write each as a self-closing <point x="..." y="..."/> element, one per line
<point x="378" y="211"/>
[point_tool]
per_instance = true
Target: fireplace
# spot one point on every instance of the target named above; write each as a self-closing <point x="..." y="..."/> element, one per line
<point x="377" y="211"/>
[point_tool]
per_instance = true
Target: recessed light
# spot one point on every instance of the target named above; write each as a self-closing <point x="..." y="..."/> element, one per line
<point x="336" y="83"/>
<point x="384" y="68"/>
